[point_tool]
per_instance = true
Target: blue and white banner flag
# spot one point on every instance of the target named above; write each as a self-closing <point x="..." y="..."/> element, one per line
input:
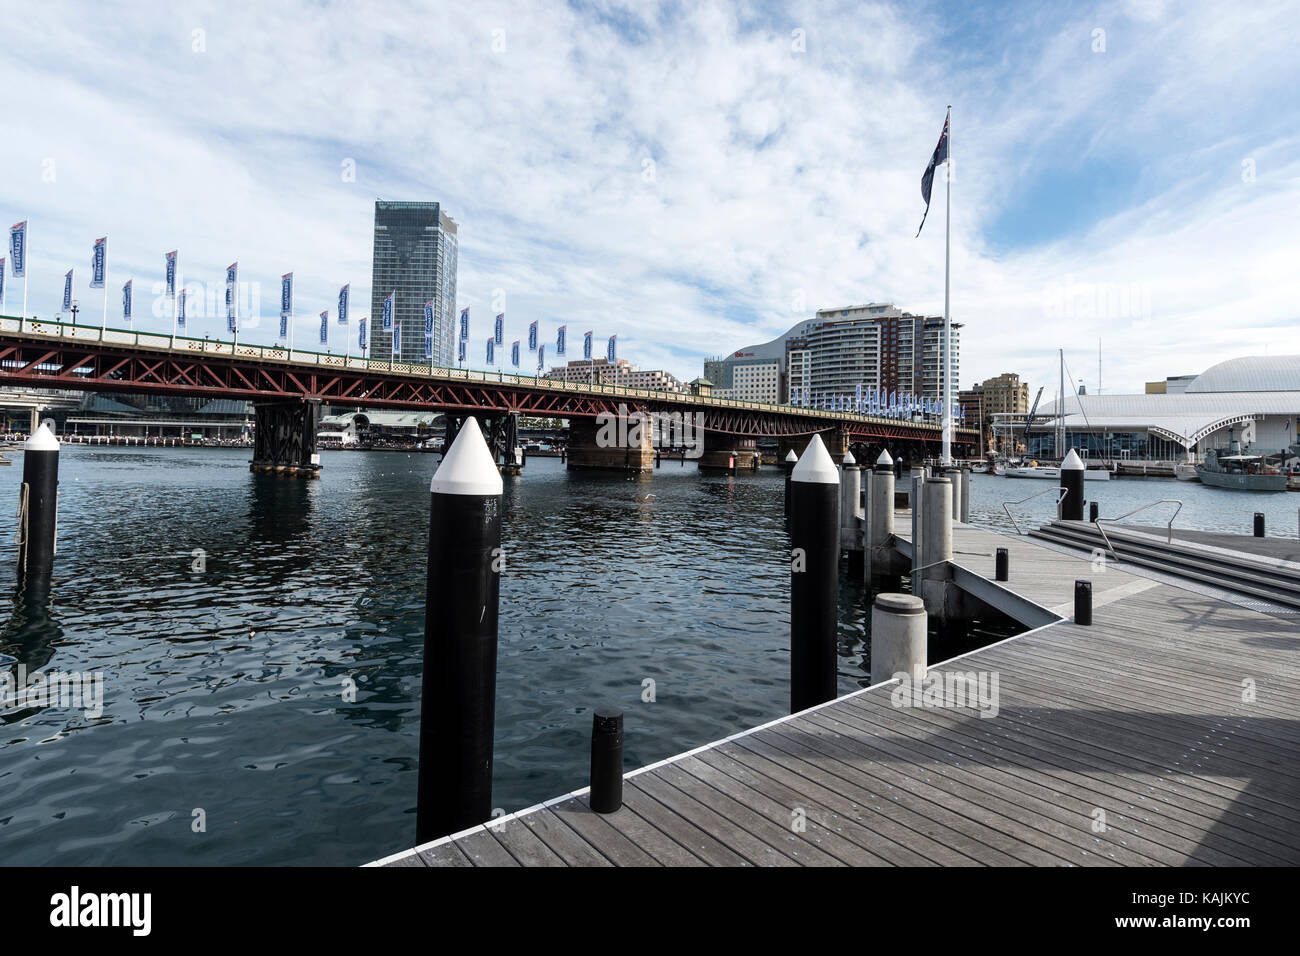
<point x="18" y="249"/>
<point x="559" y="340"/>
<point x="67" y="292"/>
<point x="126" y="300"/>
<point x="325" y="327"/>
<point x="532" y="337"/>
<point x="232" y="282"/>
<point x="499" y="330"/>
<point x="610" y="350"/>
<point x="98" y="263"/>
<point x="428" y="319"/>
<point x="284" y="325"/>
<point x="344" y="294"/>
<point x="361" y="334"/>
<point x="586" y="345"/>
<point x="541" y="357"/>
<point x="491" y="351"/>
<point x="857" y="401"/>
<point x="171" y="274"/>
<point x="2" y="278"/>
<point x="464" y="324"/>
<point x="460" y="353"/>
<point x="514" y="353"/>
<point x="397" y="342"/>
<point x="180" y="309"/>
<point x="428" y="347"/>
<point x="286" y="298"/>
<point x="387" y="324"/>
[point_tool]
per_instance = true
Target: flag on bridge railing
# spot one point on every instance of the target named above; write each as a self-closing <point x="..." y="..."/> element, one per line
<point x="18" y="249"/>
<point x="286" y="303"/>
<point x="491" y="351"/>
<point x="499" y="329"/>
<point x="428" y="347"/>
<point x="532" y="337"/>
<point x="397" y="342"/>
<point x="388" y="311"/>
<point x="541" y="357"/>
<point x="325" y="327"/>
<point x="126" y="300"/>
<point x="610" y="350"/>
<point x="98" y="263"/>
<point x="514" y="353"/>
<point x="559" y="340"/>
<point x="428" y="321"/>
<point x="460" y="355"/>
<point x="586" y="345"/>
<point x="361" y="335"/>
<point x="2" y="279"/>
<point x="67" y="292"/>
<point x="180" y="309"/>
<point x="232" y="282"/>
<point x="171" y="274"/>
<point x="464" y="324"/>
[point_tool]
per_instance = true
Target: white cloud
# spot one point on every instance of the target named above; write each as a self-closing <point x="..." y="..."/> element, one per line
<point x="539" y="151"/>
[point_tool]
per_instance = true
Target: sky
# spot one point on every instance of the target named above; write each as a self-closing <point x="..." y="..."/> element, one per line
<point x="693" y="177"/>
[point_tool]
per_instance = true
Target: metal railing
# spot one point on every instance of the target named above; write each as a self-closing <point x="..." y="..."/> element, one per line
<point x="1046" y="491"/>
<point x="1169" y="528"/>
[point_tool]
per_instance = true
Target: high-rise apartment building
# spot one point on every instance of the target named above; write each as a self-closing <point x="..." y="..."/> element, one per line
<point x="619" y="372"/>
<point x="415" y="256"/>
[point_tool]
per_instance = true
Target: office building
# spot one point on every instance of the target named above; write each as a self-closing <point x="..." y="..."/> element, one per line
<point x="415" y="254"/>
<point x="620" y="372"/>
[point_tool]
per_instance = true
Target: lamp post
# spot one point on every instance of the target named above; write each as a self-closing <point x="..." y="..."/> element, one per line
<point x="76" y="307"/>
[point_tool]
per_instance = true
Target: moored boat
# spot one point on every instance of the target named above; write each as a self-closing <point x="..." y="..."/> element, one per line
<point x="1240" y="473"/>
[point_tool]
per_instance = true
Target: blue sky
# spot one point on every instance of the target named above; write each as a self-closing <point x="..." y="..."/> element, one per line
<point x="694" y="177"/>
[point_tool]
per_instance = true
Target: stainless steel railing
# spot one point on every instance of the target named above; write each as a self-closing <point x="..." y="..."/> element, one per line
<point x="1061" y="492"/>
<point x="1169" y="527"/>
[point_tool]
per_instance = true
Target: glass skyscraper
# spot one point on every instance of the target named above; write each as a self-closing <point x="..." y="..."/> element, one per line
<point x="415" y="257"/>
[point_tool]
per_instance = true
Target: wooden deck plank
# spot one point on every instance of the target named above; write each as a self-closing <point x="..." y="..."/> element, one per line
<point x="562" y="841"/>
<point x="523" y="844"/>
<point x="483" y="850"/>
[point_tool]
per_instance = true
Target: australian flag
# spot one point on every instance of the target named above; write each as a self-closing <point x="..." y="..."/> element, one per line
<point x="927" y="180"/>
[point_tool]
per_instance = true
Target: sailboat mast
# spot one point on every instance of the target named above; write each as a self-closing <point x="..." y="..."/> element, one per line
<point x="1060" y="412"/>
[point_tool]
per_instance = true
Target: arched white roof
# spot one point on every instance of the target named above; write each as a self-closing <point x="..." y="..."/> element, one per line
<point x="1254" y="373"/>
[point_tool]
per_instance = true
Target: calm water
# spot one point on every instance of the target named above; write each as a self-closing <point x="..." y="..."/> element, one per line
<point x="224" y="688"/>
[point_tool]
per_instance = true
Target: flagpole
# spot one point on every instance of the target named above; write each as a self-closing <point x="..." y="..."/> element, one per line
<point x="947" y="323"/>
<point x="27" y="245"/>
<point x="104" y="327"/>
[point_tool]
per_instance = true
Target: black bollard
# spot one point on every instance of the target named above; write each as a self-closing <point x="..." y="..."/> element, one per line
<point x="458" y="691"/>
<point x="1083" y="602"/>
<point x="1259" y="524"/>
<point x="1072" y="483"/>
<point x="607" y="760"/>
<point x="1002" y="565"/>
<point x="1093" y="511"/>
<point x="791" y="459"/>
<point x="38" y="505"/>
<point x="814" y="577"/>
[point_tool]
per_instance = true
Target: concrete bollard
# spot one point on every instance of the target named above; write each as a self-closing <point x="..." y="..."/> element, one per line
<point x="38" y="505"/>
<point x="1071" y="508"/>
<point x="850" y="492"/>
<point x="954" y="477"/>
<point x="814" y="577"/>
<point x="1002" y="565"/>
<point x="458" y="690"/>
<point x="1083" y="602"/>
<point x="791" y="459"/>
<point x="1259" y="524"/>
<point x="898" y="637"/>
<point x="918" y="527"/>
<point x="606" y="760"/>
<point x="936" y="544"/>
<point x="965" y="495"/>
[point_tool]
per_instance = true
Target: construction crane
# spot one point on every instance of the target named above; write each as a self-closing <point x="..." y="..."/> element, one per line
<point x="1030" y="417"/>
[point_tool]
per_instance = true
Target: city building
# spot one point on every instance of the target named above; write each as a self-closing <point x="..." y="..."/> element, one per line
<point x="1253" y="400"/>
<point x="415" y="255"/>
<point x="619" y="372"/>
<point x="877" y="346"/>
<point x="1004" y="395"/>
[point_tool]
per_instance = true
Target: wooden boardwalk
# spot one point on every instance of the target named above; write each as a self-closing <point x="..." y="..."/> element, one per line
<point x="1164" y="734"/>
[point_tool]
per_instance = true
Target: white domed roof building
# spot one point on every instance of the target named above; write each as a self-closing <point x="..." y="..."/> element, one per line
<point x="1253" y="400"/>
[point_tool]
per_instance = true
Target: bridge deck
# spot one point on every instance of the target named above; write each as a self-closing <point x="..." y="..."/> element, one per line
<point x="1140" y="717"/>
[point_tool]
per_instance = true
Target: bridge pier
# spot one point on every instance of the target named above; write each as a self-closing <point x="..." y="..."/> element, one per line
<point x="284" y="440"/>
<point x="500" y="431"/>
<point x="728" y="453"/>
<point x="613" y="444"/>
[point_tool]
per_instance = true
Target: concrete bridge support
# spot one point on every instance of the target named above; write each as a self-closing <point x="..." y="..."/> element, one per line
<point x="613" y="444"/>
<point x="500" y="433"/>
<point x="728" y="453"/>
<point x="285" y="439"/>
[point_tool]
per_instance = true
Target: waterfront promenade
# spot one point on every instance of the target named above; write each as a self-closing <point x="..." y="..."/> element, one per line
<point x="1163" y="734"/>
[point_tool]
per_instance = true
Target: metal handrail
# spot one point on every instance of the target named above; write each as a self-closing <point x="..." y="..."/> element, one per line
<point x="1169" y="528"/>
<point x="1059" y="498"/>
